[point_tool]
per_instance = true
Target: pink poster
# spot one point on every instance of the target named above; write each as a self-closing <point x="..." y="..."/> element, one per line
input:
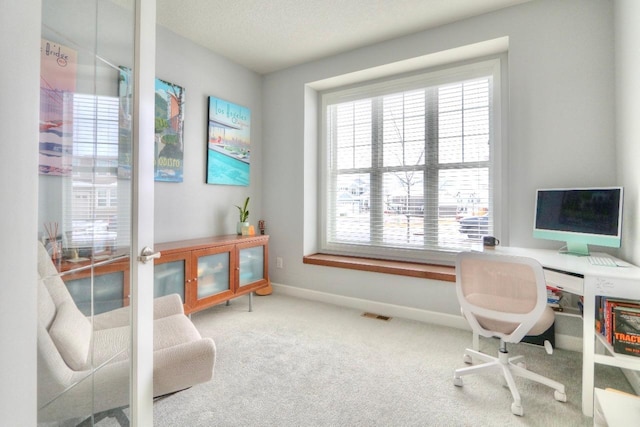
<point x="57" y="85"/>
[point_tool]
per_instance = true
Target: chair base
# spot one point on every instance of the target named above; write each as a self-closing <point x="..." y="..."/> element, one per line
<point x="510" y="368"/>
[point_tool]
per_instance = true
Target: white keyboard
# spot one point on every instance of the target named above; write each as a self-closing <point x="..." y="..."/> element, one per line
<point x="602" y="261"/>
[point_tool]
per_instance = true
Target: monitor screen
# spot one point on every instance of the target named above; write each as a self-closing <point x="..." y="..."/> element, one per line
<point x="580" y="217"/>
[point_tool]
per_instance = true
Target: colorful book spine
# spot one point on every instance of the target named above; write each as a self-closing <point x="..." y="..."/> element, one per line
<point x="610" y="305"/>
<point x="626" y="330"/>
<point x="554" y="296"/>
<point x="604" y="314"/>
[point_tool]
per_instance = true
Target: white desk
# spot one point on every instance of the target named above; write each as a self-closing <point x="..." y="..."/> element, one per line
<point x="613" y="409"/>
<point x="622" y="282"/>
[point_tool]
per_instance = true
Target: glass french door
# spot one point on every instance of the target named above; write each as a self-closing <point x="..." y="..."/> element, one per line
<point x="96" y="211"/>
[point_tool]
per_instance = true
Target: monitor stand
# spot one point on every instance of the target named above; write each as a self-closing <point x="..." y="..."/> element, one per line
<point x="577" y="249"/>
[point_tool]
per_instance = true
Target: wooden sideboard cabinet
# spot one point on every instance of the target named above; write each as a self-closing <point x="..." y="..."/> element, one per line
<point x="111" y="284"/>
<point x="211" y="270"/>
<point x="204" y="272"/>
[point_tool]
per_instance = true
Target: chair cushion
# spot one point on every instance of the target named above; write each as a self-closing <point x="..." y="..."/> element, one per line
<point x="46" y="306"/>
<point x="45" y="265"/>
<point x="71" y="333"/>
<point x="544" y="323"/>
<point x="113" y="344"/>
<point x="510" y="305"/>
<point x="173" y="330"/>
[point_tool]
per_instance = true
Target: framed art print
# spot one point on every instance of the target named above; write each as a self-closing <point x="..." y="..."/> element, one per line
<point x="228" y="143"/>
<point x="58" y="66"/>
<point x="169" y="130"/>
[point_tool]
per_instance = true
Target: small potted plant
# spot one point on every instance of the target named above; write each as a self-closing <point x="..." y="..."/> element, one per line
<point x="244" y="216"/>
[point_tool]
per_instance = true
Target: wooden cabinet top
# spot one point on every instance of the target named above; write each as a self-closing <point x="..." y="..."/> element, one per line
<point x="207" y="242"/>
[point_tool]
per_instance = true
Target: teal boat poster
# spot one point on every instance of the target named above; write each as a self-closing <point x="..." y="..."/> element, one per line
<point x="228" y="143"/>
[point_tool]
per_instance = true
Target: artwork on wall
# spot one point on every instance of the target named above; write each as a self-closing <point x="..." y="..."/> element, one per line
<point x="228" y="143"/>
<point x="168" y="127"/>
<point x="58" y="65"/>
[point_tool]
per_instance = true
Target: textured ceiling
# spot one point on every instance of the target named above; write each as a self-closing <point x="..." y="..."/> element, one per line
<point x="270" y="35"/>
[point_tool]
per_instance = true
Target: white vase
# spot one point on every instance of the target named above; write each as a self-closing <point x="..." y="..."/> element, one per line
<point x="240" y="226"/>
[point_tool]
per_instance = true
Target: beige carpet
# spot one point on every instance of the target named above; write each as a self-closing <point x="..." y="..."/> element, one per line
<point x="293" y="362"/>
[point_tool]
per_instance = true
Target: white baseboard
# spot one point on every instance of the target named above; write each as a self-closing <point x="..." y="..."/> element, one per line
<point x="569" y="342"/>
<point x="565" y="342"/>
<point x="381" y="308"/>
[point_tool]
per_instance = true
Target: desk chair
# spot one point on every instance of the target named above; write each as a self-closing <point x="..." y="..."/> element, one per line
<point x="503" y="297"/>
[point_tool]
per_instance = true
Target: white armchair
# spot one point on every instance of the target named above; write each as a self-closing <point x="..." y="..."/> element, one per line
<point x="71" y="347"/>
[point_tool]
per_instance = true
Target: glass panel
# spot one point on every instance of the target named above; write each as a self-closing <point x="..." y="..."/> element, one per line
<point x="352" y="210"/>
<point x="84" y="210"/>
<point x="404" y="208"/>
<point x="251" y="265"/>
<point x="169" y="278"/>
<point x="107" y="292"/>
<point x="213" y="274"/>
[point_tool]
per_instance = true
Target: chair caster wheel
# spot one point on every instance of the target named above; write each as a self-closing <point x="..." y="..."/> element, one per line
<point x="467" y="359"/>
<point x="457" y="381"/>
<point x="559" y="396"/>
<point x="517" y="409"/>
<point x="548" y="347"/>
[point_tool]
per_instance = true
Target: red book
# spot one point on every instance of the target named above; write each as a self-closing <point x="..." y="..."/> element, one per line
<point x="626" y="330"/>
<point x="610" y="305"/>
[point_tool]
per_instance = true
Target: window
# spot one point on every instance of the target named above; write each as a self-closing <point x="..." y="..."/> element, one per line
<point x="92" y="207"/>
<point x="409" y="164"/>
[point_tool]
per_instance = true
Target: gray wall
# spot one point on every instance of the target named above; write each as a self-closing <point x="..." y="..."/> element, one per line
<point x="560" y="133"/>
<point x="193" y="208"/>
<point x="627" y="16"/>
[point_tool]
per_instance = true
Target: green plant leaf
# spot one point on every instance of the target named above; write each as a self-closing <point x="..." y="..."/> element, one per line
<point x="244" y="212"/>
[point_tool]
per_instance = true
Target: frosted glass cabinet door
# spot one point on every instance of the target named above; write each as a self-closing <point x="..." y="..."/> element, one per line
<point x="169" y="278"/>
<point x="213" y="274"/>
<point x="251" y="265"/>
<point x="108" y="291"/>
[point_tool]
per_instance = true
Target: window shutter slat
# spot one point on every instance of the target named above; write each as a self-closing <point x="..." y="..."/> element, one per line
<point x="410" y="166"/>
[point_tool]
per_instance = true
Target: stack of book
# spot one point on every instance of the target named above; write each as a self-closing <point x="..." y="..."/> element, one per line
<point x="618" y="321"/>
<point x="554" y="295"/>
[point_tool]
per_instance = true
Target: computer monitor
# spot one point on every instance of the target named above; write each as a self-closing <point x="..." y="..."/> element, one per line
<point x="579" y="217"/>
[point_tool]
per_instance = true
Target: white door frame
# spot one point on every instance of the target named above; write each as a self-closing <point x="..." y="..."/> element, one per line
<point x="142" y="213"/>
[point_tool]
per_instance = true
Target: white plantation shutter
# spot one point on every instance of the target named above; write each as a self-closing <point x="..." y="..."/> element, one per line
<point x="409" y="163"/>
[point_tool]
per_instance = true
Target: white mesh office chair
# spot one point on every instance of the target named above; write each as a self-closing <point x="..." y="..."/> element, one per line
<point x="503" y="297"/>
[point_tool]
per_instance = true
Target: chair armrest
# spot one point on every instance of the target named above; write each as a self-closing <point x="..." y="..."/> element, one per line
<point x="164" y="306"/>
<point x="182" y="366"/>
<point x="167" y="305"/>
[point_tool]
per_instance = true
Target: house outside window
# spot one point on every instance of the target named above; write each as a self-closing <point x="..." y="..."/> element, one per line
<point x="408" y="164"/>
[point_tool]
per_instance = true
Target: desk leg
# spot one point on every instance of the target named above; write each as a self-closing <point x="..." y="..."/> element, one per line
<point x="588" y="350"/>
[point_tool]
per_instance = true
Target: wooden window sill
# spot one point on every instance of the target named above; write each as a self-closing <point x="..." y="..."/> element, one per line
<point x="412" y="269"/>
